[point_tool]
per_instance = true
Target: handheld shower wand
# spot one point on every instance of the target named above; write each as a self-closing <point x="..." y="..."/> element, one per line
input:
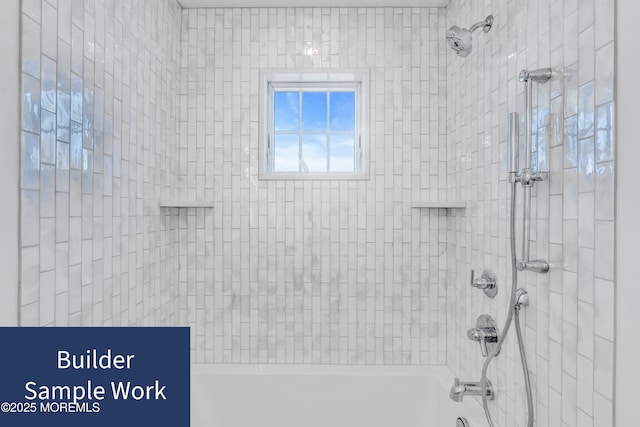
<point x="514" y="144"/>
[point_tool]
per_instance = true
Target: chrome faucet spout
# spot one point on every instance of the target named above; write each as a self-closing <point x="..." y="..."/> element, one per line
<point x="457" y="391"/>
<point x="460" y="389"/>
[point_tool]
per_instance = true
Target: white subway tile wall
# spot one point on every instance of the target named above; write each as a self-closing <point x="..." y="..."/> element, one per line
<point x="568" y="326"/>
<point x="322" y="271"/>
<point x="99" y="149"/>
<point x="127" y="103"/>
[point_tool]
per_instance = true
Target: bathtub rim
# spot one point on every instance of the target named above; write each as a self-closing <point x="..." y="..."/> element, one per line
<point x="470" y="408"/>
<point x="441" y="372"/>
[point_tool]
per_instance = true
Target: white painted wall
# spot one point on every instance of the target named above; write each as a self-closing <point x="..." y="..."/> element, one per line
<point x="9" y="117"/>
<point x="628" y="207"/>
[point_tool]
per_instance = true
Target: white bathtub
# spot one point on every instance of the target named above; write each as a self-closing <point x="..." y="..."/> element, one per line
<point x="326" y="396"/>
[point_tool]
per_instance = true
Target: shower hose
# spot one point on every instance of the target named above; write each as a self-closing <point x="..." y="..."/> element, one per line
<point x="514" y="310"/>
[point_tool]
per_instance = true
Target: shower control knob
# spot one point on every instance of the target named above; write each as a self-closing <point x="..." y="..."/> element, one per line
<point x="485" y="333"/>
<point x="486" y="282"/>
<point x="483" y="336"/>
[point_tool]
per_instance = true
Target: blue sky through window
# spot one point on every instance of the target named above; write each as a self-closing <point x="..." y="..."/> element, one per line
<point x="314" y="131"/>
<point x="285" y="149"/>
<point x="342" y="153"/>
<point x="314" y="152"/>
<point x="343" y="107"/>
<point x="314" y="111"/>
<point x="286" y="111"/>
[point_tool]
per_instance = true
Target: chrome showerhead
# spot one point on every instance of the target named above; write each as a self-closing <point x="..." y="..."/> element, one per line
<point x="460" y="38"/>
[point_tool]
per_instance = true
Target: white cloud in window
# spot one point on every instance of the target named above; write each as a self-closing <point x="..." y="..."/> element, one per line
<point x="286" y="156"/>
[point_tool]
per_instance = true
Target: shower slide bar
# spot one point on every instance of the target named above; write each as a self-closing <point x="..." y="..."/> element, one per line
<point x="527" y="177"/>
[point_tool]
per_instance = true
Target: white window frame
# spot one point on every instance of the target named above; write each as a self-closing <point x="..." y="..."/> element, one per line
<point x="318" y="80"/>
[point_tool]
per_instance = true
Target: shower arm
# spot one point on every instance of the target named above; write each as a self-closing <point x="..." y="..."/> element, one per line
<point x="485" y="25"/>
<point x="527" y="177"/>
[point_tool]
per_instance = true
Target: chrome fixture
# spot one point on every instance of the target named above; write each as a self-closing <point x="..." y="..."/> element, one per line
<point x="485" y="333"/>
<point x="522" y="298"/>
<point x="514" y="147"/>
<point x="541" y="75"/>
<point x="460" y="389"/>
<point x="537" y="265"/>
<point x="460" y="38"/>
<point x="486" y="282"/>
<point x="527" y="177"/>
<point x="519" y="297"/>
<point x="462" y="422"/>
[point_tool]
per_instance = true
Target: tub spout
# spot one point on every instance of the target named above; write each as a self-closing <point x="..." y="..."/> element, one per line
<point x="457" y="391"/>
<point x="460" y="389"/>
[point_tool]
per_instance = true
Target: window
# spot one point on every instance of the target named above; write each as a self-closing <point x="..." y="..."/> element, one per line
<point x="313" y="125"/>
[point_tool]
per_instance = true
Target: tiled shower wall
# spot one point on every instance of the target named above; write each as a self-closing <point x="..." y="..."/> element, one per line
<point x="569" y="325"/>
<point x="322" y="271"/>
<point x="99" y="149"/>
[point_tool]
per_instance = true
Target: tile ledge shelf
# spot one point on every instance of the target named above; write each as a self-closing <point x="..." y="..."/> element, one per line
<point x="185" y="204"/>
<point x="438" y="205"/>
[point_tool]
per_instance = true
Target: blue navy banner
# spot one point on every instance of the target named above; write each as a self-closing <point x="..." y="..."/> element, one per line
<point x="94" y="377"/>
